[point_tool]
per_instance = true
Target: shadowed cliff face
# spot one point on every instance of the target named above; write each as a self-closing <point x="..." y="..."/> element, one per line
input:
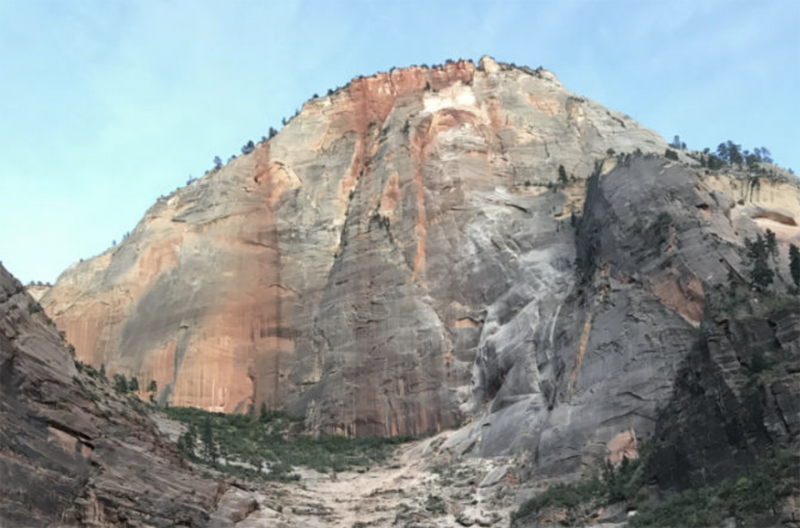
<point x="71" y="452"/>
<point x="663" y="339"/>
<point x="658" y="256"/>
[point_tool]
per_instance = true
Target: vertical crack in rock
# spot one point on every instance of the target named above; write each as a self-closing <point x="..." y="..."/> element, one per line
<point x="585" y="333"/>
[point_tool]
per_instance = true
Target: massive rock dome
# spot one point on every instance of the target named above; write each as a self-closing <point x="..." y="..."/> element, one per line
<point x="421" y="247"/>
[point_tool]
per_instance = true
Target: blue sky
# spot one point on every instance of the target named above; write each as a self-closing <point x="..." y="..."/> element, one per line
<point x="105" y="105"/>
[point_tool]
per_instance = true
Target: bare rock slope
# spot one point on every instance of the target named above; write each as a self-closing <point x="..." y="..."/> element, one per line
<point x="72" y="453"/>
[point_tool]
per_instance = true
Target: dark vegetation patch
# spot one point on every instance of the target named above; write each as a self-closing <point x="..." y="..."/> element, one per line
<point x="753" y="491"/>
<point x="272" y="446"/>
<point x="577" y="502"/>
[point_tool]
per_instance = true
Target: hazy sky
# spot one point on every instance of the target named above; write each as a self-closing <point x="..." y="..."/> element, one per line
<point x="105" y="105"/>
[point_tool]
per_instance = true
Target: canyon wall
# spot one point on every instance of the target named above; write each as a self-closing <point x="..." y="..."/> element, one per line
<point x="402" y="256"/>
<point x="348" y="266"/>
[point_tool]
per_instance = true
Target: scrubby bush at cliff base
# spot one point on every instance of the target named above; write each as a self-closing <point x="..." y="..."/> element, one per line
<point x="120" y="383"/>
<point x="751" y="493"/>
<point x="273" y="446"/>
<point x="580" y="500"/>
<point x="755" y="491"/>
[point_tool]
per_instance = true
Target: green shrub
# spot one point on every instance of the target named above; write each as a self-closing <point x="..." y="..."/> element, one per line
<point x="580" y="498"/>
<point x="275" y="441"/>
<point x="562" y="175"/>
<point x="756" y="490"/>
<point x="757" y="252"/>
<point x="120" y="383"/>
<point x="794" y="264"/>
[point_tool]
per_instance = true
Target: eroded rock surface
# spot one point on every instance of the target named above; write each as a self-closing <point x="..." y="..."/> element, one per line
<point x="407" y="254"/>
<point x="352" y="266"/>
<point x="402" y="255"/>
<point x="651" y="267"/>
<point x="72" y="453"/>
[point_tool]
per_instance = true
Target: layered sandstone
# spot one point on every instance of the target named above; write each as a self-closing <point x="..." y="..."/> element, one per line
<point x="659" y="262"/>
<point x="402" y="254"/>
<point x="347" y="266"/>
<point x="662" y="339"/>
<point x="73" y="453"/>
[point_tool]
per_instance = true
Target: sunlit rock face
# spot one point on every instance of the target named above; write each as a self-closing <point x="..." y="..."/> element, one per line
<point x="402" y="254"/>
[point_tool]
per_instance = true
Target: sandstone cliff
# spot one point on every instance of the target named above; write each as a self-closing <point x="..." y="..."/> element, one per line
<point x="661" y="340"/>
<point x="350" y="266"/>
<point x="402" y="256"/>
<point x="407" y="254"/>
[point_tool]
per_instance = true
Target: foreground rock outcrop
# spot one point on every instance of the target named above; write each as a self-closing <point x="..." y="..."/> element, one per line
<point x="72" y="453"/>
